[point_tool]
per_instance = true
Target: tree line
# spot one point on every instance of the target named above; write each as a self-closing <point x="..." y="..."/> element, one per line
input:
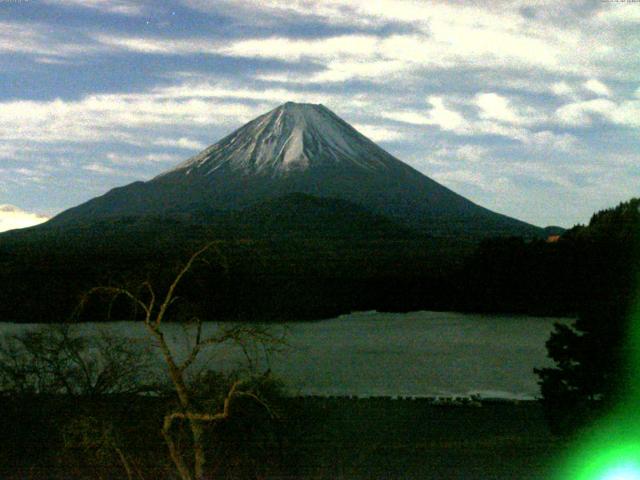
<point x="281" y="278"/>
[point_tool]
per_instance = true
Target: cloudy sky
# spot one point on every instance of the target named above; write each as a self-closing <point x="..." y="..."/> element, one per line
<point x="530" y="108"/>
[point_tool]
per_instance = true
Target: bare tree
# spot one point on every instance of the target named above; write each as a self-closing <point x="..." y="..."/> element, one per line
<point x="64" y="361"/>
<point x="190" y="462"/>
<point x="60" y="360"/>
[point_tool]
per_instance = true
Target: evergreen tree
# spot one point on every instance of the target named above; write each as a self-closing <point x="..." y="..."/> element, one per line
<point x="591" y="371"/>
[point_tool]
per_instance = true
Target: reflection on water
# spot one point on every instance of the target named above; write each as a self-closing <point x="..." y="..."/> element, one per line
<point x="412" y="354"/>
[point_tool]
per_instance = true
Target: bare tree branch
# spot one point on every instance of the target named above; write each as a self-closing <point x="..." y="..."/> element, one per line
<point x="152" y="301"/>
<point x="117" y="291"/>
<point x="243" y="335"/>
<point x="170" y="293"/>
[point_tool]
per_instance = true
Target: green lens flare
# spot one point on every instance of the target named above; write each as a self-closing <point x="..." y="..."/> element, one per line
<point x="624" y="472"/>
<point x="610" y="449"/>
<point x="609" y="454"/>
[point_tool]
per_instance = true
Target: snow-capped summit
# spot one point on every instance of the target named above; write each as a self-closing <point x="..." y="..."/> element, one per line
<point x="300" y="148"/>
<point x="291" y="137"/>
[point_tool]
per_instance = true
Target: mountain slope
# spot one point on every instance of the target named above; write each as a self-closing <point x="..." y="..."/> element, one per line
<point x="304" y="216"/>
<point x="293" y="216"/>
<point x="301" y="148"/>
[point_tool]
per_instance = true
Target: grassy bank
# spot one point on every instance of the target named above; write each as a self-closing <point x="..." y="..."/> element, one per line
<point x="314" y="437"/>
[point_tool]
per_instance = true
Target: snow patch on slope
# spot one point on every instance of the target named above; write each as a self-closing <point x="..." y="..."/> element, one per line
<point x="291" y="137"/>
<point x="293" y="154"/>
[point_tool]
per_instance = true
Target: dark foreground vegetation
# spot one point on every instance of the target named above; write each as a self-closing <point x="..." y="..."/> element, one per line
<point x="309" y="259"/>
<point x="312" y="438"/>
<point x="207" y="425"/>
<point x="596" y="358"/>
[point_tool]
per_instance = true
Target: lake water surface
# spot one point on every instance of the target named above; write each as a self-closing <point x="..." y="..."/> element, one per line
<point x="370" y="353"/>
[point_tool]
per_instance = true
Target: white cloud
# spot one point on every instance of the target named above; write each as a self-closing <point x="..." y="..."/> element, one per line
<point x="379" y="133"/>
<point x="38" y="173"/>
<point x="205" y="90"/>
<point x="461" y="176"/>
<point x="444" y="117"/>
<point x="472" y="153"/>
<point x="121" y="7"/>
<point x="626" y="113"/>
<point x="38" y="40"/>
<point x="597" y="87"/>
<point x="614" y="13"/>
<point x="183" y="143"/>
<point x="100" y="169"/>
<point x="374" y="70"/>
<point x="408" y="116"/>
<point x="272" y="11"/>
<point x="159" y="45"/>
<point x="342" y="57"/>
<point x="546" y="139"/>
<point x="444" y="34"/>
<point x="113" y="117"/>
<point x="150" y="158"/>
<point x="12" y="217"/>
<point x="499" y="108"/>
<point x="581" y="113"/>
<point x="496" y="117"/>
<point x="438" y="115"/>
<point x="494" y="184"/>
<point x="288" y="49"/>
<point x="450" y="120"/>
<point x="625" y="159"/>
<point x="33" y="128"/>
<point x="469" y="152"/>
<point x="562" y="89"/>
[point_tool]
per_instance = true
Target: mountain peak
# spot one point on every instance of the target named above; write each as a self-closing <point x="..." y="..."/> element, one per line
<point x="292" y="137"/>
<point x="291" y="107"/>
<point x="307" y="149"/>
<point x="291" y="104"/>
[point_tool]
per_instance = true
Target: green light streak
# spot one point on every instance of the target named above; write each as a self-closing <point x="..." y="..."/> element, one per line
<point x="610" y="449"/>
<point x="611" y="454"/>
<point x="625" y="472"/>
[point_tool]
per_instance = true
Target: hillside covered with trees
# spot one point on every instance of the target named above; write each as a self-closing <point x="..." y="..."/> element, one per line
<point x="302" y="257"/>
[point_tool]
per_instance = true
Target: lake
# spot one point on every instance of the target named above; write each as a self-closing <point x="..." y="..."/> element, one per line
<point x="369" y="354"/>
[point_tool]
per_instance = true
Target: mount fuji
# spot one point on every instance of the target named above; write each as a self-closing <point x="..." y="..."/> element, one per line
<point x="299" y="148"/>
